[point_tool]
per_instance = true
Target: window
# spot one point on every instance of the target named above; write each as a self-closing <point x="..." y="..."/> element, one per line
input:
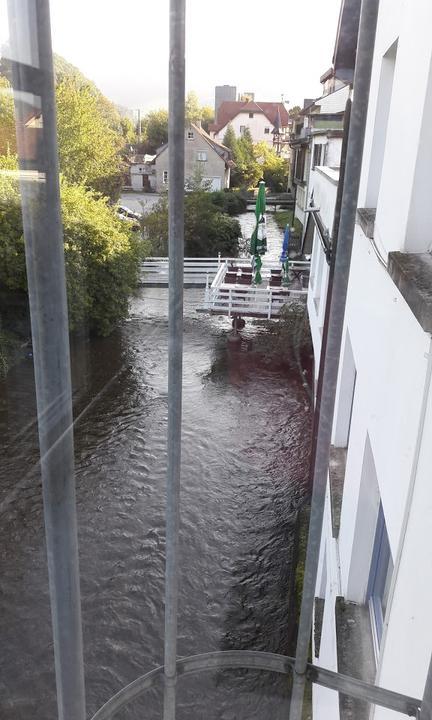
<point x="190" y="135"/>
<point x="382" y="113"/>
<point x="242" y="129"/>
<point x="267" y="131"/>
<point x="317" y="155"/>
<point x="202" y="156"/>
<point x="300" y="165"/>
<point x="165" y="177"/>
<point x="380" y="577"/>
<point x="251" y="115"/>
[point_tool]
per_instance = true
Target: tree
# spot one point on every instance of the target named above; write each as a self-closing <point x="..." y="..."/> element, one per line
<point x="294" y="111"/>
<point x="154" y="127"/>
<point x="207" y="230"/>
<point x="229" y="139"/>
<point x="7" y="119"/>
<point x="89" y="149"/>
<point x="192" y="107"/>
<point x="246" y="165"/>
<point x="207" y="116"/>
<point x="274" y="169"/>
<point x="102" y="255"/>
<point x="128" y="132"/>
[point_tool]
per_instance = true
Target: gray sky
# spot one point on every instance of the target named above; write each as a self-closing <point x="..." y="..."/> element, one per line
<point x="265" y="47"/>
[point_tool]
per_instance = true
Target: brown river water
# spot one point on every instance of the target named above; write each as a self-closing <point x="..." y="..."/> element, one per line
<point x="246" y="435"/>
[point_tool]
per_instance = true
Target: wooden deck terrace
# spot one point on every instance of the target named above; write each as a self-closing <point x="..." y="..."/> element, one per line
<point x="234" y="294"/>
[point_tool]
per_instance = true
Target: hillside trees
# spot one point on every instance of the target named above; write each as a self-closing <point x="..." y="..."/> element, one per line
<point x="89" y="149"/>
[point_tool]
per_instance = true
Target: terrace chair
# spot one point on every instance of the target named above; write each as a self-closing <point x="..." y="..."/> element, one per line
<point x="245" y="279"/>
<point x="230" y="277"/>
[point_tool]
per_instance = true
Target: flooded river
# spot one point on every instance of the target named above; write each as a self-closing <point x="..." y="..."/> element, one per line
<point x="246" y="427"/>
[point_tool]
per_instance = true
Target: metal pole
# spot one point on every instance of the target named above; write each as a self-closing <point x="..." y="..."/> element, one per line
<point x="33" y="82"/>
<point x="426" y="706"/>
<point x="176" y="129"/>
<point x="365" y="51"/>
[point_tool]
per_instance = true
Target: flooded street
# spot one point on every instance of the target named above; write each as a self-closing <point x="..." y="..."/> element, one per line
<point x="246" y="428"/>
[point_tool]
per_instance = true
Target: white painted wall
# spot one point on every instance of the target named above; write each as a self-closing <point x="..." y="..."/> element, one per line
<point x="335" y="102"/>
<point x="408" y="24"/>
<point x="256" y="125"/>
<point x="389" y="456"/>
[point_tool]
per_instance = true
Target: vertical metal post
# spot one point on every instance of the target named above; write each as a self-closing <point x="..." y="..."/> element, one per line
<point x="33" y="83"/>
<point x="176" y="130"/>
<point x="365" y="51"/>
<point x="426" y="706"/>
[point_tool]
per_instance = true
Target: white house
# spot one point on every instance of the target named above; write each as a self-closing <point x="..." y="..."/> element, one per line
<point x="265" y="120"/>
<point x="142" y="173"/>
<point x="372" y="614"/>
<point x="317" y="141"/>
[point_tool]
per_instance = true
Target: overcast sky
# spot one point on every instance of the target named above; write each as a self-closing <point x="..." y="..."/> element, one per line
<point x="270" y="48"/>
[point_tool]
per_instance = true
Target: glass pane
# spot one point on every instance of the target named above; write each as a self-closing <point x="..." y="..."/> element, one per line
<point x="305" y="348"/>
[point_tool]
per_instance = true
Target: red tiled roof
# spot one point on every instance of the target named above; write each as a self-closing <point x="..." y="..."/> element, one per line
<point x="229" y="109"/>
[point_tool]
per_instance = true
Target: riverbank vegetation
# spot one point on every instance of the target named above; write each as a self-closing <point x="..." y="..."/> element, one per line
<point x="207" y="230"/>
<point x="102" y="253"/>
<point x="255" y="161"/>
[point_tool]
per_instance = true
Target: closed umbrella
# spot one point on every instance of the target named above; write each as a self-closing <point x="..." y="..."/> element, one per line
<point x="284" y="255"/>
<point x="258" y="244"/>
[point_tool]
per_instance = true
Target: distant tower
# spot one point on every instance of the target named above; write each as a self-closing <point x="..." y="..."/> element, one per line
<point x="222" y="93"/>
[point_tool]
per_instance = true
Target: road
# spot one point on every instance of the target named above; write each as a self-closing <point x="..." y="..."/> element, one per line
<point x="139" y="202"/>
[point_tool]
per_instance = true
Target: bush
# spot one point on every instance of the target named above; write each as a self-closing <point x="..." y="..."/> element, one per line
<point x="102" y="255"/>
<point x="207" y="230"/>
<point x="229" y="201"/>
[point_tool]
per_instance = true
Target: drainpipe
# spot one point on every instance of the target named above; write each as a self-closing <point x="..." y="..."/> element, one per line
<point x="33" y="84"/>
<point x="176" y="130"/>
<point x="330" y="356"/>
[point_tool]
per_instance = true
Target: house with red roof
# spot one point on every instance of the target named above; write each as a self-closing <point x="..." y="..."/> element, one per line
<point x="267" y="121"/>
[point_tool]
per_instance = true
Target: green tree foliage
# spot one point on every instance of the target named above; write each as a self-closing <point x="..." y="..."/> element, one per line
<point x="274" y="169"/>
<point x="229" y="139"/>
<point x="195" y="112"/>
<point x="128" y="131"/>
<point x="7" y="119"/>
<point x="207" y="116"/>
<point x="154" y="130"/>
<point x="89" y="149"/>
<point x="294" y="111"/>
<point x="102" y="255"/>
<point x="192" y="107"/>
<point x="207" y="230"/>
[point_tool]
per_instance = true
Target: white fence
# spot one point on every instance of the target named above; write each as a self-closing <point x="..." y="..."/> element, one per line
<point x="249" y="300"/>
<point x="155" y="271"/>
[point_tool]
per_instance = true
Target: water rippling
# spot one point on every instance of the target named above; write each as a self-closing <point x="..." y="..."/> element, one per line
<point x="245" y="451"/>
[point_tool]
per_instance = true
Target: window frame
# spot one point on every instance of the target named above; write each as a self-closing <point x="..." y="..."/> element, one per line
<point x="190" y="135"/>
<point x="165" y="177"/>
<point x="201" y="159"/>
<point x="381" y="570"/>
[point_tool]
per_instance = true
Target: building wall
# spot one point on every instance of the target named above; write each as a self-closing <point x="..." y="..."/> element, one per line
<point x="224" y="93"/>
<point x="383" y="413"/>
<point x="404" y="132"/>
<point x="256" y="125"/>
<point x="212" y="168"/>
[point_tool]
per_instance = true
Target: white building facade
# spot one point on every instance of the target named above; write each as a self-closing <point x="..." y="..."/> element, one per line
<point x="374" y="589"/>
<point x="262" y="119"/>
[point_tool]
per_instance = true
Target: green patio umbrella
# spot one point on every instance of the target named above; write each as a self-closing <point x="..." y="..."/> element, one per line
<point x="258" y="244"/>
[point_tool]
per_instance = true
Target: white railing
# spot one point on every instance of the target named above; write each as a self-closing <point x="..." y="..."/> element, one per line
<point x="155" y="270"/>
<point x="248" y="300"/>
